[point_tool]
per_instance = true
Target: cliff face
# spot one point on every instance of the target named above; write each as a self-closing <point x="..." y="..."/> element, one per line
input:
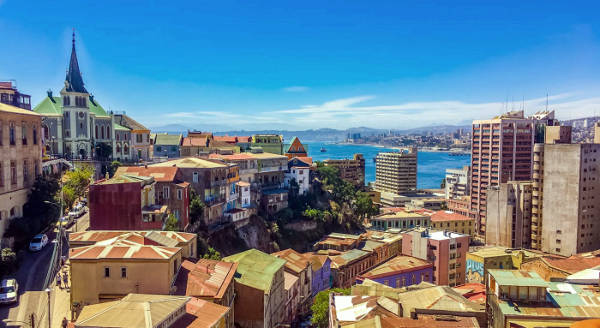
<point x="255" y="234"/>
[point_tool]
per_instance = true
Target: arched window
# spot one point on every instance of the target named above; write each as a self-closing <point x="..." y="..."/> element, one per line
<point x="125" y="149"/>
<point x="35" y="135"/>
<point x="107" y="132"/>
<point x="118" y="148"/>
<point x="102" y="131"/>
<point x="117" y="137"/>
<point x="96" y="132"/>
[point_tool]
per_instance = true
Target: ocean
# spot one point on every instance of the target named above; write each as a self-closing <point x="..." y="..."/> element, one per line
<point x="431" y="166"/>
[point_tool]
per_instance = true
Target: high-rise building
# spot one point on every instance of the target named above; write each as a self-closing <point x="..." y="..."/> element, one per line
<point x="458" y="182"/>
<point x="502" y="151"/>
<point x="553" y="135"/>
<point x="571" y="194"/>
<point x="508" y="217"/>
<point x="396" y="172"/>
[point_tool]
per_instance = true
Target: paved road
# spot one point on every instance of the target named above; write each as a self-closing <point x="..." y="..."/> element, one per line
<point x="82" y="224"/>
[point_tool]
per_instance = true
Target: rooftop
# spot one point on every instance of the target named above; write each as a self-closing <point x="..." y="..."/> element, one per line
<point x="190" y="162"/>
<point x="165" y="139"/>
<point x="397" y="264"/>
<point x="160" y="174"/>
<point x="294" y="260"/>
<point x="442" y="216"/>
<point x="255" y="268"/>
<point x="574" y="263"/>
<point x="206" y="278"/>
<point x="517" y="278"/>
<point x="134" y="311"/>
<point x="126" y="178"/>
<point x="348" y="256"/>
<point x="151" y="237"/>
<point x="398" y="215"/>
<point x="201" y="314"/>
<point x="4" y="108"/>
<point x="123" y="250"/>
<point x="493" y="251"/>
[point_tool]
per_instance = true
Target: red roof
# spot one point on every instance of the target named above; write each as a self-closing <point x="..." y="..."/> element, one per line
<point x="233" y="157"/>
<point x="7" y="85"/>
<point x="160" y="174"/>
<point x="574" y="263"/>
<point x="195" y="141"/>
<point x="442" y="216"/>
<point x="206" y="278"/>
<point x="200" y="314"/>
<point x="227" y="139"/>
<point x="307" y="160"/>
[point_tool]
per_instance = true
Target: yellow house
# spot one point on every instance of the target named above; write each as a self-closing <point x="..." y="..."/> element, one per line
<point x="102" y="272"/>
<point x="448" y="220"/>
<point x="495" y="257"/>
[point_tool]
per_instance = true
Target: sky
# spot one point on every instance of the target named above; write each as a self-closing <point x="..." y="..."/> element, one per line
<point x="296" y="65"/>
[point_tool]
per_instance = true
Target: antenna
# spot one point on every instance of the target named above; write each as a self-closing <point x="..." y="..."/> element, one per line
<point x="546" y="101"/>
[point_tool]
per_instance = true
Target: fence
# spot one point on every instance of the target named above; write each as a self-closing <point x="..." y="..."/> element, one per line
<point x="55" y="259"/>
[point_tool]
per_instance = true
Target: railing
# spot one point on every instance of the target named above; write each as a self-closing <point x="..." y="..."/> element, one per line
<point x="55" y="259"/>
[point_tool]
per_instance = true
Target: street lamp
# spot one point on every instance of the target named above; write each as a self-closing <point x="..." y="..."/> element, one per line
<point x="49" y="314"/>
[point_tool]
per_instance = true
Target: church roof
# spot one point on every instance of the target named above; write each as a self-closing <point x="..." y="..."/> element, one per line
<point x="73" y="78"/>
<point x="129" y="122"/>
<point x="52" y="106"/>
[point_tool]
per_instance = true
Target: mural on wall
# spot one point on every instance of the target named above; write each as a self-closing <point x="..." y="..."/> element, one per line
<point x="474" y="271"/>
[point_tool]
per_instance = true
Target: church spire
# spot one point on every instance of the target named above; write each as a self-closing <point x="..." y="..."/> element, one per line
<point x="74" y="81"/>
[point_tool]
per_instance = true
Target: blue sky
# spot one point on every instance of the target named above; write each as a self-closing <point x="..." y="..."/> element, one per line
<point x="218" y="65"/>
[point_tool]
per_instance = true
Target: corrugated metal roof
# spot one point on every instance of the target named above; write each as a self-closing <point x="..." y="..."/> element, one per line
<point x="255" y="268"/>
<point x="518" y="278"/>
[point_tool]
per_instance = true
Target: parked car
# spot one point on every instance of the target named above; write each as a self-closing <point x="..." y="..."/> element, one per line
<point x="65" y="222"/>
<point x="76" y="212"/>
<point x="38" y="242"/>
<point x="83" y="201"/>
<point x="9" y="289"/>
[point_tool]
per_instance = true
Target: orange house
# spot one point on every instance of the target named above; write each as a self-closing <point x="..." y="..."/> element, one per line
<point x="296" y="149"/>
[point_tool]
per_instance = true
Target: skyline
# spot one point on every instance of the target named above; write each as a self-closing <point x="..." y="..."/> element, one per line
<point x="237" y="66"/>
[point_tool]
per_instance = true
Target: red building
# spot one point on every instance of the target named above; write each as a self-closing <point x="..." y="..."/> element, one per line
<point x="170" y="189"/>
<point x="502" y="150"/>
<point x="447" y="250"/>
<point x="125" y="203"/>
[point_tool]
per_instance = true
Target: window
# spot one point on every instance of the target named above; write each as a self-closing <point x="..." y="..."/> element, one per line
<point x="35" y="141"/>
<point x="102" y="131"/>
<point x="25" y="172"/>
<point x="11" y="133"/>
<point x="66" y="101"/>
<point x="123" y="272"/>
<point x="195" y="177"/>
<point x="138" y="138"/>
<point x="166" y="192"/>
<point x="125" y="149"/>
<point x="13" y="172"/>
<point x="96" y="132"/>
<point x="106" y="272"/>
<point x="118" y="149"/>
<point x="179" y="194"/>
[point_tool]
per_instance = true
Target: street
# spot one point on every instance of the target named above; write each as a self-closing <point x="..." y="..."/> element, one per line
<point x="31" y="276"/>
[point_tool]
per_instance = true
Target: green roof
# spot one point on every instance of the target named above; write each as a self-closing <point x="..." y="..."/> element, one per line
<point x="53" y="106"/>
<point x="120" y="127"/>
<point x="167" y="139"/>
<point x="517" y="278"/>
<point x="255" y="268"/>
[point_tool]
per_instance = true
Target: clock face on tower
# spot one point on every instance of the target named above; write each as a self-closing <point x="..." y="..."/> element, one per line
<point x="80" y="114"/>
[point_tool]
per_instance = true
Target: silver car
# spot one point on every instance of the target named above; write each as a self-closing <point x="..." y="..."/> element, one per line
<point x="9" y="289"/>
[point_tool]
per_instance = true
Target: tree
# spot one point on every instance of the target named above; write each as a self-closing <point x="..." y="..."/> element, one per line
<point x="171" y="224"/>
<point x="196" y="207"/>
<point x="320" y="307"/>
<point x="212" y="254"/>
<point x="103" y="151"/>
<point x="68" y="196"/>
<point x="364" y="206"/>
<point x="79" y="179"/>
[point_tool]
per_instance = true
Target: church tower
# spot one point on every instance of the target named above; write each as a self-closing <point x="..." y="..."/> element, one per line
<point x="76" y="112"/>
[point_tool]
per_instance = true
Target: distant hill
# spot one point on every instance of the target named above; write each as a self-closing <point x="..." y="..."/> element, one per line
<point x="323" y="134"/>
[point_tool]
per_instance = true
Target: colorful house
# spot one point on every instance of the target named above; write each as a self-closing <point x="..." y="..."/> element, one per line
<point x="321" y="272"/>
<point x="296" y="149"/>
<point x="400" y="271"/>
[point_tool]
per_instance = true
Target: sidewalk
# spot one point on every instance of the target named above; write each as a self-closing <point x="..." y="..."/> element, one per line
<point x="61" y="302"/>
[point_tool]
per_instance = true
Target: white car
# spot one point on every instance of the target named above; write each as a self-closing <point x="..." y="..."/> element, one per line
<point x="77" y="211"/>
<point x="9" y="291"/>
<point x="38" y="242"/>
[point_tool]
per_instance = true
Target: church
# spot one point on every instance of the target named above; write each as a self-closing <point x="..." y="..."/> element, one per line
<point x="74" y="124"/>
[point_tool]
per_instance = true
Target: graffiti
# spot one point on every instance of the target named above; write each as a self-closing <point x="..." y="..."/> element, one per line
<point x="474" y="271"/>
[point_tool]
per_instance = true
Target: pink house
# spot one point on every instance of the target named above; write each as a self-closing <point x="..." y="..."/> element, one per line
<point x="447" y="250"/>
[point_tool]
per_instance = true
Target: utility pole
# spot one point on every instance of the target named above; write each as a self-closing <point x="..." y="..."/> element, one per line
<point x="49" y="314"/>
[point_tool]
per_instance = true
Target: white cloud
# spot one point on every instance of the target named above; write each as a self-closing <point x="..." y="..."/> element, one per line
<point x="357" y="111"/>
<point x="296" y="88"/>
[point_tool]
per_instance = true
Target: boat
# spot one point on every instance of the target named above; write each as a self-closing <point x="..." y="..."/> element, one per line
<point x="323" y="149"/>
